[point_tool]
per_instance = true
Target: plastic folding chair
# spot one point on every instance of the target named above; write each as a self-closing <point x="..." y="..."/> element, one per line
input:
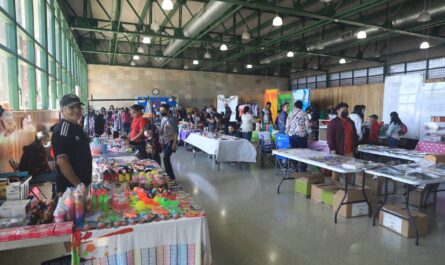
<point x="282" y="142"/>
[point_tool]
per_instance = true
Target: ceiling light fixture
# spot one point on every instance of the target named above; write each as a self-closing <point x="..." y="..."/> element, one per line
<point x="425" y="45"/>
<point x="154" y="26"/>
<point x="146" y="40"/>
<point x="167" y="5"/>
<point x="135" y="57"/>
<point x="186" y="67"/>
<point x="277" y="21"/>
<point x="424" y="16"/>
<point x="361" y="35"/>
<point x="132" y="63"/>
<point x="235" y="70"/>
<point x="325" y="1"/>
<point x="223" y="47"/>
<point x="207" y="55"/>
<point x="195" y="62"/>
<point x="245" y="35"/>
<point x="141" y="49"/>
<point x="290" y="54"/>
<point x="342" y="61"/>
<point x="249" y="66"/>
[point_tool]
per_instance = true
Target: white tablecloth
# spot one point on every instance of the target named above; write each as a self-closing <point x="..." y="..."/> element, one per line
<point x="225" y="148"/>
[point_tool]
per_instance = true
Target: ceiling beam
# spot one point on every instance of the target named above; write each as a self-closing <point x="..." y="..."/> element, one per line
<point x="117" y="16"/>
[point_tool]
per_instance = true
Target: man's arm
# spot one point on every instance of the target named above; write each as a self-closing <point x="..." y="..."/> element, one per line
<point x="138" y="136"/>
<point x="67" y="170"/>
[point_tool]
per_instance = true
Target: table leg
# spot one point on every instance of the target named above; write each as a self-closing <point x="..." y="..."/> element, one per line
<point x="380" y="206"/>
<point x="408" y="211"/>
<point x="364" y="195"/>
<point x="344" y="197"/>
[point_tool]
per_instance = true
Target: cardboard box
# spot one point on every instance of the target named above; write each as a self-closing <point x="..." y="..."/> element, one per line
<point x="25" y="232"/>
<point x="12" y="209"/>
<point x="327" y="194"/>
<point x="377" y="185"/>
<point x="316" y="190"/>
<point x="417" y="198"/>
<point x="304" y="181"/>
<point x="65" y="228"/>
<point x="391" y="218"/>
<point x="8" y="234"/>
<point x="354" y="209"/>
<point x="436" y="159"/>
<point x="18" y="190"/>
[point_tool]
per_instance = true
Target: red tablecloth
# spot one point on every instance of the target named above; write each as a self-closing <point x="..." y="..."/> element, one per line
<point x="431" y="147"/>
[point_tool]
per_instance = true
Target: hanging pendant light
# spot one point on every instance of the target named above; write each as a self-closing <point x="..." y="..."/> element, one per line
<point x="136" y="57"/>
<point x="223" y="47"/>
<point x="245" y="35"/>
<point x="342" y="61"/>
<point x="290" y="54"/>
<point x="146" y="40"/>
<point x="207" y="55"/>
<point x="186" y="67"/>
<point x="195" y="62"/>
<point x="249" y="66"/>
<point x="154" y="26"/>
<point x="141" y="49"/>
<point x="235" y="69"/>
<point x="424" y="16"/>
<point x="167" y="5"/>
<point x="277" y="21"/>
<point x="132" y="63"/>
<point x="361" y="35"/>
<point x="425" y="45"/>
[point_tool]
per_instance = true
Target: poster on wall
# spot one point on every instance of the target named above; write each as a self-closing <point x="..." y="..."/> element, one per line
<point x="402" y="93"/>
<point x="302" y="94"/>
<point x="271" y="95"/>
<point x="432" y="120"/>
<point x="283" y="98"/>
<point x="232" y="101"/>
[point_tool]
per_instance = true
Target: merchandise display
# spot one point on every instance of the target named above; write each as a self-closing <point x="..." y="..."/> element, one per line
<point x="110" y="147"/>
<point x="411" y="155"/>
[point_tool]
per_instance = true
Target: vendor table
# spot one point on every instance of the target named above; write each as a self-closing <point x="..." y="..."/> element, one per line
<point x="182" y="241"/>
<point x="399" y="153"/>
<point x="430" y="147"/>
<point x="185" y="133"/>
<point x="323" y="160"/>
<point x="400" y="174"/>
<point x="224" y="148"/>
<point x="33" y="242"/>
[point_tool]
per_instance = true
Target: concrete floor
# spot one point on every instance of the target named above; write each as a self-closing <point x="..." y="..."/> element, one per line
<point x="250" y="224"/>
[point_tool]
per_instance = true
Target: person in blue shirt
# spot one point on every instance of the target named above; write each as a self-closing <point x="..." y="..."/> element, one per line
<point x="282" y="117"/>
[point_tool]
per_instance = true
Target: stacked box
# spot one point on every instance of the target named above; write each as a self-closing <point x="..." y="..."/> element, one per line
<point x="377" y="185"/>
<point x="304" y="181"/>
<point x="316" y="191"/>
<point x="327" y="194"/>
<point x="354" y="209"/>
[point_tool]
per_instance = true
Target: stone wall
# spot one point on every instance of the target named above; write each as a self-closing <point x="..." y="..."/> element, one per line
<point x="193" y="88"/>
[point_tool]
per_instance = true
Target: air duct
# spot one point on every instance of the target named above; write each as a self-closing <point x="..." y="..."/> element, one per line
<point x="211" y="12"/>
<point x="436" y="10"/>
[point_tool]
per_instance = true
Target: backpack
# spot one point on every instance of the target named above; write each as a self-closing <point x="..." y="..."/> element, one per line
<point x="403" y="129"/>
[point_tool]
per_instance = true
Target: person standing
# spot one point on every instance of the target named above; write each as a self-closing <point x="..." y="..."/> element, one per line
<point x="282" y="118"/>
<point x="266" y="114"/>
<point x="393" y="132"/>
<point x="297" y="129"/>
<point x="227" y="115"/>
<point x="126" y="120"/>
<point x="342" y="136"/>
<point x="71" y="146"/>
<point x="247" y="122"/>
<point x="168" y="134"/>
<point x="374" y="129"/>
<point x="357" y="117"/>
<point x="137" y="138"/>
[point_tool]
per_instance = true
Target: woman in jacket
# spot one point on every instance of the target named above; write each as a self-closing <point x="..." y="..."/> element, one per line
<point x="342" y="136"/>
<point x="393" y="130"/>
<point x="247" y="123"/>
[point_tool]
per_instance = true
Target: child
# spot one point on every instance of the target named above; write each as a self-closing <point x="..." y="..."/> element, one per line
<point x="152" y="144"/>
<point x="375" y="129"/>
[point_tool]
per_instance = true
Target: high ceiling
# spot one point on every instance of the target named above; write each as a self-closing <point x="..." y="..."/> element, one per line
<point x="317" y="32"/>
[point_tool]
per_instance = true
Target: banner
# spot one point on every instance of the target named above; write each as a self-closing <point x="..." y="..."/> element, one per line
<point x="303" y="95"/>
<point x="232" y="101"/>
<point x="283" y="98"/>
<point x="271" y="95"/>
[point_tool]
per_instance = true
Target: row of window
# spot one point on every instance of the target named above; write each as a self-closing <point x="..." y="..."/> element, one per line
<point x="432" y="69"/>
<point x="39" y="58"/>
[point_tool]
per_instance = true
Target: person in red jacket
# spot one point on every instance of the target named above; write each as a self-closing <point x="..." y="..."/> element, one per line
<point x="342" y="136"/>
<point x="375" y="129"/>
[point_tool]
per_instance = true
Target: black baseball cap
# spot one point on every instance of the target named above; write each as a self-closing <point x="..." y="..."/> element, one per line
<point x="374" y="116"/>
<point x="69" y="100"/>
<point x="137" y="107"/>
